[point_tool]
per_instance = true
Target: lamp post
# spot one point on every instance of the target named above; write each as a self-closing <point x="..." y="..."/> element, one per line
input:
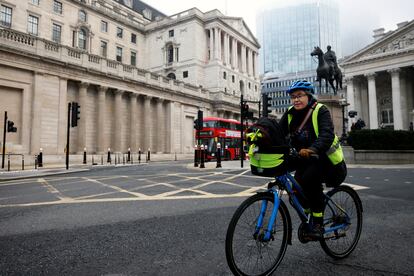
<point x="343" y="103"/>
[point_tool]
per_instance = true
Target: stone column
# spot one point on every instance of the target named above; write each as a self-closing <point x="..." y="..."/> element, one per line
<point x="102" y="139"/>
<point x="243" y="58"/>
<point x="170" y="131"/>
<point x="63" y="115"/>
<point x="147" y="125"/>
<point x="255" y="67"/>
<point x="160" y="129"/>
<point x="118" y="127"/>
<point x="216" y="43"/>
<point x="235" y="56"/>
<point x="83" y="98"/>
<point x="219" y="45"/>
<point x="350" y="98"/>
<point x="36" y="113"/>
<point x="226" y="49"/>
<point x="397" y="109"/>
<point x="250" y="56"/>
<point x="372" y="101"/>
<point x="211" y="43"/>
<point x="133" y="135"/>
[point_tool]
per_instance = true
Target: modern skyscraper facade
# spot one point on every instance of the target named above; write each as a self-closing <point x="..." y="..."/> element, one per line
<point x="288" y="34"/>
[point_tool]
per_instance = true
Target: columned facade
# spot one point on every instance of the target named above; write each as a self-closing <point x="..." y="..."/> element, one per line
<point x="120" y="80"/>
<point x="380" y="80"/>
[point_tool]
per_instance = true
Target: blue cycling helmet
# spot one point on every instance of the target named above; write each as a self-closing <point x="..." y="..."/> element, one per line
<point x="301" y="85"/>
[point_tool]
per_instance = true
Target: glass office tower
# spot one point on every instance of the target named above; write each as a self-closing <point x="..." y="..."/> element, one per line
<point x="288" y="34"/>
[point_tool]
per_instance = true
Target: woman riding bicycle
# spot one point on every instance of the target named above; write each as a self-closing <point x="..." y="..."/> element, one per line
<point x="310" y="129"/>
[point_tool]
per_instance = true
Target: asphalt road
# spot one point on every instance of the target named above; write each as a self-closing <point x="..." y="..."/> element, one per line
<point x="171" y="219"/>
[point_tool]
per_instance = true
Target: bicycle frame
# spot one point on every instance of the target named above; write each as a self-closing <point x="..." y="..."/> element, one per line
<point x="288" y="183"/>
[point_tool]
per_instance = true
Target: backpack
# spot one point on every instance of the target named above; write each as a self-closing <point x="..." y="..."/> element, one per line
<point x="267" y="148"/>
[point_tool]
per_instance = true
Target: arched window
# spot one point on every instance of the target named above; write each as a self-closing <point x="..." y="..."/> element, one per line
<point x="82" y="39"/>
<point x="171" y="76"/>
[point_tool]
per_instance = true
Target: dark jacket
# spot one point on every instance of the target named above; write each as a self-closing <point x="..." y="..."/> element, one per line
<point x="307" y="138"/>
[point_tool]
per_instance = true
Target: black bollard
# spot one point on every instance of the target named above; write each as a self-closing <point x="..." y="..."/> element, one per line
<point x="123" y="158"/>
<point x="218" y="157"/>
<point x="35" y="162"/>
<point x="22" y="162"/>
<point x="84" y="155"/>
<point x="149" y="155"/>
<point x="109" y="156"/>
<point x="195" y="156"/>
<point x="101" y="159"/>
<point x="202" y="157"/>
<point x="129" y="155"/>
<point x="40" y="159"/>
<point x="139" y="156"/>
<point x="8" y="162"/>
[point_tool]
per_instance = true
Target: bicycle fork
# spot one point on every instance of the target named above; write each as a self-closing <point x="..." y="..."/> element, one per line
<point x="268" y="232"/>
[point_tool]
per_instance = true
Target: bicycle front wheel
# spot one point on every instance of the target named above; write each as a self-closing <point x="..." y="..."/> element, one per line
<point x="342" y="211"/>
<point x="247" y="251"/>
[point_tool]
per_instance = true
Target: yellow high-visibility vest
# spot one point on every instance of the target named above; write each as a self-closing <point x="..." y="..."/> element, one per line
<point x="334" y="153"/>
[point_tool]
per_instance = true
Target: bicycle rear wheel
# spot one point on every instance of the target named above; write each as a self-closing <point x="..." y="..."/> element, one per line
<point x="344" y="208"/>
<point x="246" y="251"/>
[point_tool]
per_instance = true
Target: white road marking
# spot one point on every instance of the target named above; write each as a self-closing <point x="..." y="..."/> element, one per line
<point x="170" y="195"/>
<point x="356" y="187"/>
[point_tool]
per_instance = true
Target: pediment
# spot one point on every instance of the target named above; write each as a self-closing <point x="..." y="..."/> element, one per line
<point x="239" y="25"/>
<point x="391" y="43"/>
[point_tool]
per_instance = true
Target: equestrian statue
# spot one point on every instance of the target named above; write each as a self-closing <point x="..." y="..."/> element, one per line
<point x="328" y="69"/>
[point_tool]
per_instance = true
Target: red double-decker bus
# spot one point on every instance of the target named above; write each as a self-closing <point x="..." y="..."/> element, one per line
<point x="224" y="131"/>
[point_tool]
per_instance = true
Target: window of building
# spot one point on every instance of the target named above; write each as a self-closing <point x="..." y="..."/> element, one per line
<point x="224" y="75"/>
<point x="147" y="13"/>
<point x="57" y="7"/>
<point x="56" y="33"/>
<point x="35" y="2"/>
<point x="233" y="79"/>
<point x="133" y="58"/>
<point x="185" y="74"/>
<point x="170" y="54"/>
<point x="82" y="16"/>
<point x="119" y="54"/>
<point x="133" y="38"/>
<point x="82" y="39"/>
<point x="171" y="33"/>
<point x="104" y="48"/>
<point x="171" y="76"/>
<point x="32" y="25"/>
<point x="5" y="16"/>
<point x="119" y="32"/>
<point x="104" y="26"/>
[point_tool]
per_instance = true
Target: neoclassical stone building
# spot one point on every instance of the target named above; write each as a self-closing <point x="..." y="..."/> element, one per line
<point x="380" y="79"/>
<point x="139" y="76"/>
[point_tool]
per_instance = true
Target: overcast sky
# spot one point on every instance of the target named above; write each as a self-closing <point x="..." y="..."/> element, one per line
<point x="358" y="17"/>
<point x="386" y="12"/>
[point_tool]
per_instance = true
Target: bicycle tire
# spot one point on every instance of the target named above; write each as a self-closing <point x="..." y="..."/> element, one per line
<point x="241" y="222"/>
<point x="341" y="244"/>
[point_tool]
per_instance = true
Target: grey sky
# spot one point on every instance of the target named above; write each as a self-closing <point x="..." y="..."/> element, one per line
<point x="358" y="17"/>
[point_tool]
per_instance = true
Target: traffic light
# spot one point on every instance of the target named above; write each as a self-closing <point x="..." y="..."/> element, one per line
<point x="352" y="113"/>
<point x="245" y="111"/>
<point x="11" y="127"/>
<point x="266" y="105"/>
<point x="200" y="120"/>
<point x="75" y="114"/>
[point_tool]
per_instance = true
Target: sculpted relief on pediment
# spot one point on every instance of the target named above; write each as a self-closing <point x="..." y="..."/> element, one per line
<point x="398" y="43"/>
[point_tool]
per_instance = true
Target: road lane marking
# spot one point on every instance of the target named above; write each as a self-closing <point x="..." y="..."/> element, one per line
<point x="52" y="189"/>
<point x="356" y="187"/>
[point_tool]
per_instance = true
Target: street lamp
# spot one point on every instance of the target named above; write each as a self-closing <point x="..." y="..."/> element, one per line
<point x="343" y="103"/>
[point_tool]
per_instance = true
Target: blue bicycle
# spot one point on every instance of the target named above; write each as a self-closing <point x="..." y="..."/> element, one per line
<point x="261" y="228"/>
